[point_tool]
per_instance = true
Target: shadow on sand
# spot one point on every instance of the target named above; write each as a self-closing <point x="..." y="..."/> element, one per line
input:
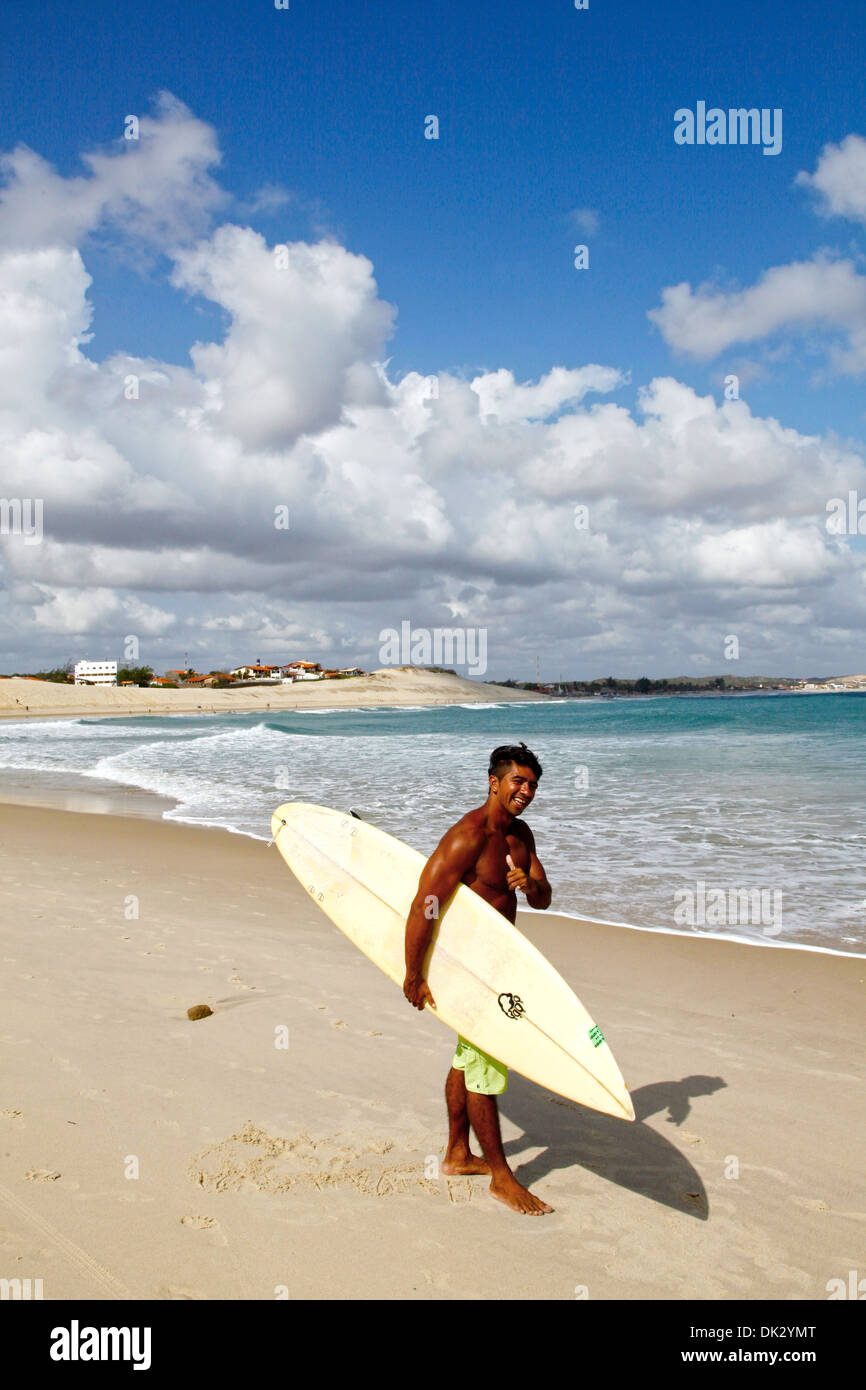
<point x="629" y="1154"/>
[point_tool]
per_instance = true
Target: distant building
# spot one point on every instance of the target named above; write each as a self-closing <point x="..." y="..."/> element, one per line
<point x="256" y="673"/>
<point x="96" y="673"/>
<point x="301" y="671"/>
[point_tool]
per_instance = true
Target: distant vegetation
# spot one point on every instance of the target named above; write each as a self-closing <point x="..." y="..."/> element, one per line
<point x="139" y="675"/>
<point x="666" y="685"/>
<point x="58" y="674"/>
<point x="62" y="675"/>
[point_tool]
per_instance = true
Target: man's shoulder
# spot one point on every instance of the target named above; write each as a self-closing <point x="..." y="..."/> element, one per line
<point x="472" y="826"/>
<point x="522" y="831"/>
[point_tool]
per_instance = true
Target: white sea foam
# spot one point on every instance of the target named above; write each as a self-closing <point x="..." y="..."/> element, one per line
<point x="678" y="791"/>
<point x="710" y="936"/>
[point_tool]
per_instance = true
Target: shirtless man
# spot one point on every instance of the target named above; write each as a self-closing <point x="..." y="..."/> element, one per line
<point x="494" y="854"/>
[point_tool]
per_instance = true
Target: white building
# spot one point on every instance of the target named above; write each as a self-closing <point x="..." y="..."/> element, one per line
<point x="256" y="673"/>
<point x="96" y="673"/>
<point x="301" y="671"/>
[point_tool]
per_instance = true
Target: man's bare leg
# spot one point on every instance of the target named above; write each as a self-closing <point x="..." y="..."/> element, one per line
<point x="459" y="1158"/>
<point x="484" y="1117"/>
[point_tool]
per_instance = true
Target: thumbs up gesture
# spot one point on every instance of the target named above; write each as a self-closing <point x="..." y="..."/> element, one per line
<point x="516" y="878"/>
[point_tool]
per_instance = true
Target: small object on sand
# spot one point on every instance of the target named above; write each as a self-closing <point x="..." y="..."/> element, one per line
<point x="199" y="1011"/>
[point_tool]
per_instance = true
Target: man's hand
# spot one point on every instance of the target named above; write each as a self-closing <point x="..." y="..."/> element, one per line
<point x="417" y="991"/>
<point x="516" y="878"/>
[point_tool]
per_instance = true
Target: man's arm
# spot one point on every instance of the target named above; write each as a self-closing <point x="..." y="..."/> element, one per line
<point x="534" y="884"/>
<point x="455" y="854"/>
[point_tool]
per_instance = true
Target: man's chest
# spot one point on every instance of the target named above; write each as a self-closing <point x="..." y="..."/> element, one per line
<point x="492" y="862"/>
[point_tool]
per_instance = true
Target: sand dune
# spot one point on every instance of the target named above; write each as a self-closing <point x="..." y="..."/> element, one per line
<point x="398" y="685"/>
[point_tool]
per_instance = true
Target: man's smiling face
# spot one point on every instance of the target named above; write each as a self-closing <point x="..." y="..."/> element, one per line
<point x="515" y="789"/>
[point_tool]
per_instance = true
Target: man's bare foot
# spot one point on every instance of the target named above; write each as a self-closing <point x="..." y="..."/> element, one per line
<point x="517" y="1197"/>
<point x="466" y="1163"/>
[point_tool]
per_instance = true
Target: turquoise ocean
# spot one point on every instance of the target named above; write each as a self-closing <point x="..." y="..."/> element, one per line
<point x="645" y="806"/>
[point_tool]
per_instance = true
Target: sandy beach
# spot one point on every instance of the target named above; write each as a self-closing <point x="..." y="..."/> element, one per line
<point x="145" y="1155"/>
<point x="22" y="697"/>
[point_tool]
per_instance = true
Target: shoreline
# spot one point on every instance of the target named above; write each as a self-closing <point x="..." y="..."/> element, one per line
<point x="125" y="802"/>
<point x="705" y="936"/>
<point x="14" y="713"/>
<point x="80" y="791"/>
<point x="391" y="688"/>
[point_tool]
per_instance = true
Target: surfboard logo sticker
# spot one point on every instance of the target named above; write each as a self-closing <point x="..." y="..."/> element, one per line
<point x="511" y="1005"/>
<point x="596" y="1036"/>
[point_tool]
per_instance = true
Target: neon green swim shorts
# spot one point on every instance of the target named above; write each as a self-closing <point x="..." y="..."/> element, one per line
<point x="483" y="1073"/>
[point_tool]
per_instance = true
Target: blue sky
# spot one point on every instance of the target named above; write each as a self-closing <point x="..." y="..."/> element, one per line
<point x="543" y="109"/>
<point x="551" y="119"/>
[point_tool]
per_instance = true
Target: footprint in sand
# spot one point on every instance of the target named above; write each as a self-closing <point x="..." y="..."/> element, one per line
<point x="459" y="1191"/>
<point x="275" y="1164"/>
<point x="206" y="1223"/>
<point x="65" y="1064"/>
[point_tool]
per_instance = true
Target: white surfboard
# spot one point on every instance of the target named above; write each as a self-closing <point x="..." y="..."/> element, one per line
<point x="490" y="984"/>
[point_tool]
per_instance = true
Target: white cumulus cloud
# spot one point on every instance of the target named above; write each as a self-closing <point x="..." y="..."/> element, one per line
<point x="278" y="491"/>
<point x="840" y="179"/>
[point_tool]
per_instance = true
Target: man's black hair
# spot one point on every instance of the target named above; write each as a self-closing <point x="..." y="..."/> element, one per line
<point x="502" y="758"/>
